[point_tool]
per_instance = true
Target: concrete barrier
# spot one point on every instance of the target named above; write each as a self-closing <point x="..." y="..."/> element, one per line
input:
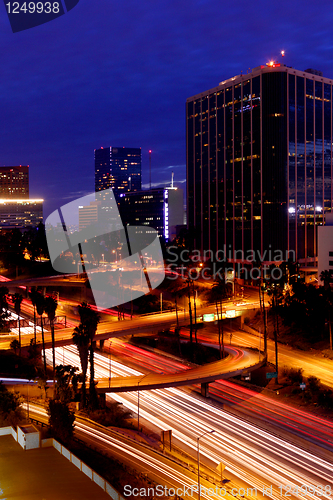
<point x="19" y="435"/>
<point x="87" y="471"/>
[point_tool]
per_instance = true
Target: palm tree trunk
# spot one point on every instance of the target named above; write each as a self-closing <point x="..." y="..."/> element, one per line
<point x="265" y="328"/>
<point x="222" y="331"/>
<point x="43" y="343"/>
<point x="92" y="387"/>
<point x="190" y="313"/>
<point x="330" y="325"/>
<point x="19" y="322"/>
<point x="35" y="334"/>
<point x="219" y="327"/>
<point x="53" y="348"/>
<point x="177" y="312"/>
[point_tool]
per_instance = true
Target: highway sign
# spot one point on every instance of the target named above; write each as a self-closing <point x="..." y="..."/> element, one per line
<point x="271" y="375"/>
<point x="302" y="385"/>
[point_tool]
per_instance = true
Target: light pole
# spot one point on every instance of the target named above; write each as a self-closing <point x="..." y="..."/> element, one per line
<point x="141" y="379"/>
<point x="198" y="456"/>
<point x="115" y="251"/>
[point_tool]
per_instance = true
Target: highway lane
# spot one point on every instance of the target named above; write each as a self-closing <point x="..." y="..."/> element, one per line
<point x="107" y="329"/>
<point x="253" y="456"/>
<point x="312" y="364"/>
<point x="315" y="429"/>
<point x="236" y="361"/>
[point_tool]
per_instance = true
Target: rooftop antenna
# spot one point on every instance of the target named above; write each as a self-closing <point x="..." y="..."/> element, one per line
<point x="150" y="169"/>
<point x="172" y="174"/>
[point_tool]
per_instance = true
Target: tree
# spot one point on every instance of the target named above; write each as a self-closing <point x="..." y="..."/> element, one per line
<point x="188" y="281"/>
<point x="61" y="420"/>
<point x="219" y="292"/>
<point x="64" y="388"/>
<point x="40" y="306"/>
<point x="275" y="292"/>
<point x="10" y="407"/>
<point x="17" y="300"/>
<point x="33" y="351"/>
<point x="51" y="305"/>
<point x="326" y="277"/>
<point x="15" y="344"/>
<point x="81" y="339"/>
<point x="33" y="297"/>
<point x="90" y="320"/>
<point x="4" y="313"/>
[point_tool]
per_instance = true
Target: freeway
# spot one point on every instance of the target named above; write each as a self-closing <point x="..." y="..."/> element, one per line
<point x="234" y="364"/>
<point x="310" y="362"/>
<point x="253" y="456"/>
<point x="257" y="406"/>
<point x="160" y="468"/>
<point x="143" y="324"/>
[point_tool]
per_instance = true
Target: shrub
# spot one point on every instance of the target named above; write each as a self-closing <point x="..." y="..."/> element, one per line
<point x="313" y="385"/>
<point x="10" y="407"/>
<point x="115" y="414"/>
<point x="325" y="399"/>
<point x="295" y="375"/>
<point x="61" y="420"/>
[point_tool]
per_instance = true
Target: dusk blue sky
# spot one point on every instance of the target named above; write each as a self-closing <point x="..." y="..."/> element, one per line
<point x="118" y="74"/>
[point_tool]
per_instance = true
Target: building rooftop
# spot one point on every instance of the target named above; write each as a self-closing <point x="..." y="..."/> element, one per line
<point x="42" y="473"/>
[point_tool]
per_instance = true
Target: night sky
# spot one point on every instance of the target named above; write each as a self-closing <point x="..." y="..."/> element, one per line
<point x="117" y="73"/>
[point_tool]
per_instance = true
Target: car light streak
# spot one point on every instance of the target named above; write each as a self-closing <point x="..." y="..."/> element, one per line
<point x="255" y="456"/>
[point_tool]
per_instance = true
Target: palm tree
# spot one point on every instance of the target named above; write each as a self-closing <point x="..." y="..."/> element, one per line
<point x="81" y="339"/>
<point x="90" y="320"/>
<point x="326" y="277"/>
<point x="33" y="298"/>
<point x="3" y="306"/>
<point x="219" y="292"/>
<point x="17" y="299"/>
<point x="51" y="305"/>
<point x="40" y="306"/>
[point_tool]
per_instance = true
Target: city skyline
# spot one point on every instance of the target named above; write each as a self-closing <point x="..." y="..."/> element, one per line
<point x="73" y="85"/>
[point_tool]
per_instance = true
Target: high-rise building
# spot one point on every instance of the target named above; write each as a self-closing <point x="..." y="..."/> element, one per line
<point x="20" y="213"/>
<point x="159" y="208"/>
<point x="89" y="214"/>
<point x="16" y="209"/>
<point x="259" y="164"/>
<point x="14" y="182"/>
<point x="118" y="168"/>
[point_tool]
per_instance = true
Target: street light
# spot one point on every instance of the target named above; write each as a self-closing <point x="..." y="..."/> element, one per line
<point x="141" y="379"/>
<point x="198" y="456"/>
<point x="115" y="251"/>
<point x="110" y="365"/>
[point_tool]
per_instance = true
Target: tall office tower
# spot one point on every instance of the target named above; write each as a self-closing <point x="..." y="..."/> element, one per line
<point x="16" y="209"/>
<point x="259" y="163"/>
<point x="14" y="182"/>
<point x="118" y="168"/>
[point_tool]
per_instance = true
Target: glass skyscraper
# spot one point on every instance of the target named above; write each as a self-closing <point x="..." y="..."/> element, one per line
<point x="259" y="163"/>
<point x="118" y="168"/>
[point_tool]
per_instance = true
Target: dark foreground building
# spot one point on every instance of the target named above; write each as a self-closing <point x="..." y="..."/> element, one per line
<point x="160" y="208"/>
<point x="259" y="164"/>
